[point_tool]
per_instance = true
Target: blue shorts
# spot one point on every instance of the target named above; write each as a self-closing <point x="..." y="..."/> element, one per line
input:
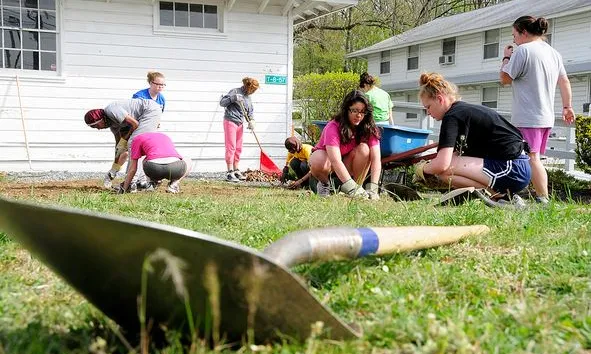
<point x="508" y="176"/>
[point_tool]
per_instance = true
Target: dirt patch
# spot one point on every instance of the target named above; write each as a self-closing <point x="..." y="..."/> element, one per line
<point x="54" y="189"/>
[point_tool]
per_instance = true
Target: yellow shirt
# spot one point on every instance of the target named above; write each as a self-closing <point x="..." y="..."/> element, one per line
<point x="302" y="155"/>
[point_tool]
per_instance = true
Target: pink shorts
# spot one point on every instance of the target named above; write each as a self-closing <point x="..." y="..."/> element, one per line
<point x="536" y="138"/>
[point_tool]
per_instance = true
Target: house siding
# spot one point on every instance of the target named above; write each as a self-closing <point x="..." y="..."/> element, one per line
<point x="106" y="49"/>
<point x="570" y="37"/>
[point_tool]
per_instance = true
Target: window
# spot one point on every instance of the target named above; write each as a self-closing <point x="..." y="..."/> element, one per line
<point x="449" y="46"/>
<point x="412" y="63"/>
<point x="491" y="44"/>
<point x="413" y="98"/>
<point x="29" y="35"/>
<point x="548" y="35"/>
<point x="189" y="15"/>
<point x="490" y="95"/>
<point x="385" y="62"/>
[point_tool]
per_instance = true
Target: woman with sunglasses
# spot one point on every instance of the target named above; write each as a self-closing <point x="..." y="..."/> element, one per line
<point x="349" y="146"/>
<point x="154" y="92"/>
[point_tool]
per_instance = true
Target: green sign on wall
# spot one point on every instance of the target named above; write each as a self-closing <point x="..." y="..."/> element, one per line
<point x="275" y="79"/>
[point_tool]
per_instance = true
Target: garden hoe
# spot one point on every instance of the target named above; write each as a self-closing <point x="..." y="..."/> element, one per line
<point x="233" y="292"/>
<point x="266" y="164"/>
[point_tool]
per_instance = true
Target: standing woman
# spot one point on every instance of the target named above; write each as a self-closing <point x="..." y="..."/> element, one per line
<point x="477" y="146"/>
<point x="379" y="99"/>
<point x="154" y="92"/>
<point x="350" y="146"/>
<point x="534" y="69"/>
<point x="237" y="102"/>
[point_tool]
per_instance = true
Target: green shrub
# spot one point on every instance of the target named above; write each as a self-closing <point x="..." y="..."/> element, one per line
<point x="319" y="97"/>
<point x="583" y="137"/>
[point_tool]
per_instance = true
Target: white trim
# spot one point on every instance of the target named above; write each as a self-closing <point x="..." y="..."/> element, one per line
<point x="191" y="31"/>
<point x="35" y="77"/>
<point x="289" y="98"/>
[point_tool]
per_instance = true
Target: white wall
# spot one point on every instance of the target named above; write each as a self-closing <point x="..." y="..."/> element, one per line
<point x="107" y="49"/>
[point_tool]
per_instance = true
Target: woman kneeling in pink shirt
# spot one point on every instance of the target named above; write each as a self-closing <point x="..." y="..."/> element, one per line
<point x="162" y="161"/>
<point x="350" y="146"/>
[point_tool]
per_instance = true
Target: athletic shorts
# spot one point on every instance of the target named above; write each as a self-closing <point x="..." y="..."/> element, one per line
<point x="170" y="171"/>
<point x="536" y="138"/>
<point x="508" y="176"/>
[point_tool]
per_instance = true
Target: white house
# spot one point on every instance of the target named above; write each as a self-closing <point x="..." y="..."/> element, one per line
<point x="63" y="57"/>
<point x="467" y="49"/>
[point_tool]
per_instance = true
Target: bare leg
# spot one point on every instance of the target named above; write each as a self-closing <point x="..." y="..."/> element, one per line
<point x="320" y="166"/>
<point x="466" y="171"/>
<point x="357" y="162"/>
<point x="539" y="176"/>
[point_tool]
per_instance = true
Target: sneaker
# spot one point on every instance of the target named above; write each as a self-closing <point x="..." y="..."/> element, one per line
<point x="141" y="186"/>
<point x="173" y="187"/>
<point x="133" y="187"/>
<point x="151" y="186"/>
<point x="323" y="189"/>
<point x="239" y="175"/>
<point x="516" y="201"/>
<point x="108" y="180"/>
<point x="541" y="200"/>
<point x="231" y="177"/>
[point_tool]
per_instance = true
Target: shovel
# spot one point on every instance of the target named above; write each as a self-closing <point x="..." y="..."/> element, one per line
<point x="244" y="290"/>
<point x="266" y="164"/>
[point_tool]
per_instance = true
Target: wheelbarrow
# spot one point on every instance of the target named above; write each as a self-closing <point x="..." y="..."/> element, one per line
<point x="236" y="292"/>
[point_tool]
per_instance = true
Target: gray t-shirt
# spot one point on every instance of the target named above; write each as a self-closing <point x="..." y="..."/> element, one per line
<point x="535" y="68"/>
<point x="146" y="112"/>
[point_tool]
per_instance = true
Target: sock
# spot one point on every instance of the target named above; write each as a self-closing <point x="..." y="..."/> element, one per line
<point x="115" y="168"/>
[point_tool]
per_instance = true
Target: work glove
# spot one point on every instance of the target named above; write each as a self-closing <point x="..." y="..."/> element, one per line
<point x="120" y="148"/>
<point x="372" y="190"/>
<point x="419" y="175"/>
<point x="284" y="174"/>
<point x="251" y="124"/>
<point x="239" y="98"/>
<point x="353" y="190"/>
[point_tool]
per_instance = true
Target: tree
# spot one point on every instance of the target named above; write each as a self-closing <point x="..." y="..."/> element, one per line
<point x="322" y="44"/>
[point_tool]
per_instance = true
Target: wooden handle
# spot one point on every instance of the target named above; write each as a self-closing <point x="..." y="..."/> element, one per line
<point x="411" y="238"/>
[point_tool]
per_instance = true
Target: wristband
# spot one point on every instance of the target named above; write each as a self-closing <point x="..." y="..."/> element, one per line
<point x="508" y="58"/>
<point x="567" y="107"/>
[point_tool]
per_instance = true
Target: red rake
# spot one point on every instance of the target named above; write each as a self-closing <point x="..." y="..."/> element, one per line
<point x="266" y="164"/>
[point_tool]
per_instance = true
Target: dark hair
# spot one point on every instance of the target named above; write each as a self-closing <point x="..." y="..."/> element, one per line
<point x="365" y="129"/>
<point x="366" y="79"/>
<point x="535" y="26"/>
<point x="293" y="143"/>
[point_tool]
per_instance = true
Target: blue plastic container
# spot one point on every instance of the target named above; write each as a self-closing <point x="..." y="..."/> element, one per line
<point x="395" y="138"/>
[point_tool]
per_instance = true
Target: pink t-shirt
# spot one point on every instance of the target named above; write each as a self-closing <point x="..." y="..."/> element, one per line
<point x="153" y="146"/>
<point x="330" y="136"/>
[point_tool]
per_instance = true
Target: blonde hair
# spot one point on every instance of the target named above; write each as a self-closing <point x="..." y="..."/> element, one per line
<point x="433" y="84"/>
<point x="153" y="75"/>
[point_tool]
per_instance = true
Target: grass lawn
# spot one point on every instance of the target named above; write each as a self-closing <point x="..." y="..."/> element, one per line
<point x="525" y="287"/>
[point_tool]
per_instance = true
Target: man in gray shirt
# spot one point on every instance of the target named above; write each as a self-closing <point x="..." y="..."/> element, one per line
<point x="140" y="115"/>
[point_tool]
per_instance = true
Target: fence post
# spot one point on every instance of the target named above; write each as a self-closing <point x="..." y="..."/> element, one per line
<point x="569" y="164"/>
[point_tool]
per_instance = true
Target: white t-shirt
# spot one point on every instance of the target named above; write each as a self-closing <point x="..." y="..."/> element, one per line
<point x="535" y="68"/>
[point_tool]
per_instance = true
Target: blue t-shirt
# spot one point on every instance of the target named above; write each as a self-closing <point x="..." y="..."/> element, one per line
<point x="145" y="94"/>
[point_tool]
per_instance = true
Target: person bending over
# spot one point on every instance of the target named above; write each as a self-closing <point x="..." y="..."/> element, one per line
<point x="298" y="157"/>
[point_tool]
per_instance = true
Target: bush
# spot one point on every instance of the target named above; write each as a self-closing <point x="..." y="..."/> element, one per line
<point x="319" y="97"/>
<point x="583" y="137"/>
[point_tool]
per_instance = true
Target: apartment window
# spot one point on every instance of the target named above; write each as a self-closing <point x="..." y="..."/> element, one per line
<point x="413" y="98"/>
<point x="385" y="62"/>
<point x="182" y="14"/>
<point x="449" y="46"/>
<point x="448" y="51"/>
<point x="29" y="35"/>
<point x="491" y="44"/>
<point x="490" y="96"/>
<point x="412" y="62"/>
<point x="548" y="35"/>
